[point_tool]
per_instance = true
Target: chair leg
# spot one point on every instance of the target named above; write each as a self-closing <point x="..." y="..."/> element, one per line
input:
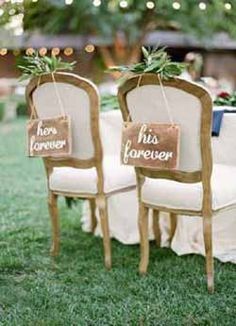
<point x="173" y="224"/>
<point x="101" y="202"/>
<point x="93" y="220"/>
<point x="156" y="227"/>
<point x="207" y="233"/>
<point x="144" y="240"/>
<point x="53" y="211"/>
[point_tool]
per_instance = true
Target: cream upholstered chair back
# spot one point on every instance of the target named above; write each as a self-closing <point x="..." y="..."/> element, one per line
<point x="79" y="99"/>
<point x="190" y="106"/>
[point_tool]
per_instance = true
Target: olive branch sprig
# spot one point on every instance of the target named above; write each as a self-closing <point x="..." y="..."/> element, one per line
<point x="155" y="61"/>
<point x="35" y="65"/>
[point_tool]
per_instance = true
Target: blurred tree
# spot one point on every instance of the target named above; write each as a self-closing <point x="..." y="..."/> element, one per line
<point x="125" y="23"/>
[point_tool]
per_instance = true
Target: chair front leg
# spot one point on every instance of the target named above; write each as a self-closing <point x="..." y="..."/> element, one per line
<point x="53" y="211"/>
<point x="207" y="233"/>
<point x="101" y="202"/>
<point x="92" y="204"/>
<point x="173" y="224"/>
<point x="144" y="239"/>
<point x="156" y="226"/>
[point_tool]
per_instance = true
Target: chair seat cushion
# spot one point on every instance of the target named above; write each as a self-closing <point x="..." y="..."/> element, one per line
<point x="73" y="180"/>
<point x="177" y="195"/>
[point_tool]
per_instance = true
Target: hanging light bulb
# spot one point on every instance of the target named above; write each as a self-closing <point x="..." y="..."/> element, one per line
<point x="150" y="5"/>
<point x="90" y="48"/>
<point x="29" y="51"/>
<point x="176" y="5"/>
<point x="228" y="6"/>
<point x="202" y="6"/>
<point x="123" y="4"/>
<point x="68" y="51"/>
<point x="97" y="3"/>
<point x="16" y="52"/>
<point x="68" y="2"/>
<point x="55" y="51"/>
<point x="43" y="51"/>
<point x="3" y="51"/>
<point x="12" y="12"/>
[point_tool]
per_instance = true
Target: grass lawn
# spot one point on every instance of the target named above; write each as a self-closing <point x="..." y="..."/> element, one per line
<point x="75" y="289"/>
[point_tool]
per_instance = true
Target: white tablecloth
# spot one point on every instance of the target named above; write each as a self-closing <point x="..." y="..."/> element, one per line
<point x="123" y="208"/>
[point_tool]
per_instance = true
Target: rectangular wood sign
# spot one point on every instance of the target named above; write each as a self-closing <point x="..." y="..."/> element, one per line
<point x="150" y="145"/>
<point x="49" y="137"/>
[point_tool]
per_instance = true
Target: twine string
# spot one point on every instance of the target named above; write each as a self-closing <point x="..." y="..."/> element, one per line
<point x="33" y="114"/>
<point x="167" y="106"/>
<point x="58" y="96"/>
<point x="165" y="100"/>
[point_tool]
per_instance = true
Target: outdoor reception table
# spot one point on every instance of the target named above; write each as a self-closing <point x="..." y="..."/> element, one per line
<point x="123" y="208"/>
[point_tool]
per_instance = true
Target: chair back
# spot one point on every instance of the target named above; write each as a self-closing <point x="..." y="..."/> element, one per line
<point x="80" y="100"/>
<point x="141" y="100"/>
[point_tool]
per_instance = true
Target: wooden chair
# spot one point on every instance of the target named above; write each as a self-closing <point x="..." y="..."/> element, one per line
<point x="193" y="189"/>
<point x="87" y="174"/>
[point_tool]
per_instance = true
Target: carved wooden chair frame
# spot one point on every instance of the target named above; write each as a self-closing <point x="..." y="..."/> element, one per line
<point x="204" y="175"/>
<point x="96" y="200"/>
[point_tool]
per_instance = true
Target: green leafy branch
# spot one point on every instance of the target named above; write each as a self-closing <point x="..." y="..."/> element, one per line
<point x="154" y="61"/>
<point x="35" y="65"/>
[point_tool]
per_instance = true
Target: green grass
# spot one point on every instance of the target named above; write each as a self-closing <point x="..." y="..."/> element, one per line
<point x="75" y="289"/>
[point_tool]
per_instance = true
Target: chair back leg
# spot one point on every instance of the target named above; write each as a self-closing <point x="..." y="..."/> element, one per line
<point x="92" y="204"/>
<point x="144" y="240"/>
<point x="207" y="234"/>
<point x="53" y="211"/>
<point x="156" y="227"/>
<point x="101" y="202"/>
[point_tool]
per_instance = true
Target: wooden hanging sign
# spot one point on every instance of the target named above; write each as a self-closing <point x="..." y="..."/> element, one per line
<point x="150" y="145"/>
<point x="49" y="137"/>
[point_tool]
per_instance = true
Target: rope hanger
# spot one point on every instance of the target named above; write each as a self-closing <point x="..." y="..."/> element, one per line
<point x="166" y="102"/>
<point x="59" y="100"/>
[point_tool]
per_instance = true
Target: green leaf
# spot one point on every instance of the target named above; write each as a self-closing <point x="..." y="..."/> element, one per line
<point x="145" y="52"/>
<point x="34" y="65"/>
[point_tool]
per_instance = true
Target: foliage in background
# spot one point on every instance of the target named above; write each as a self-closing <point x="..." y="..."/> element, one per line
<point x="122" y="31"/>
<point x="155" y="61"/>
<point x="35" y="65"/>
<point x="109" y="102"/>
<point x="226" y="99"/>
<point x="2" y="110"/>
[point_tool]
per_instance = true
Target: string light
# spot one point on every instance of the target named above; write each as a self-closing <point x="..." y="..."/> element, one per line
<point x="97" y="3"/>
<point x="202" y="6"/>
<point x="3" y="51"/>
<point x="12" y="12"/>
<point x="43" y="51"/>
<point x="29" y="51"/>
<point x="34" y="0"/>
<point x="55" y="51"/>
<point x="123" y="4"/>
<point x="228" y="6"/>
<point x="176" y="5"/>
<point x="90" y="48"/>
<point x="68" y="2"/>
<point x="150" y="5"/>
<point x="68" y="51"/>
<point x="16" y="52"/>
